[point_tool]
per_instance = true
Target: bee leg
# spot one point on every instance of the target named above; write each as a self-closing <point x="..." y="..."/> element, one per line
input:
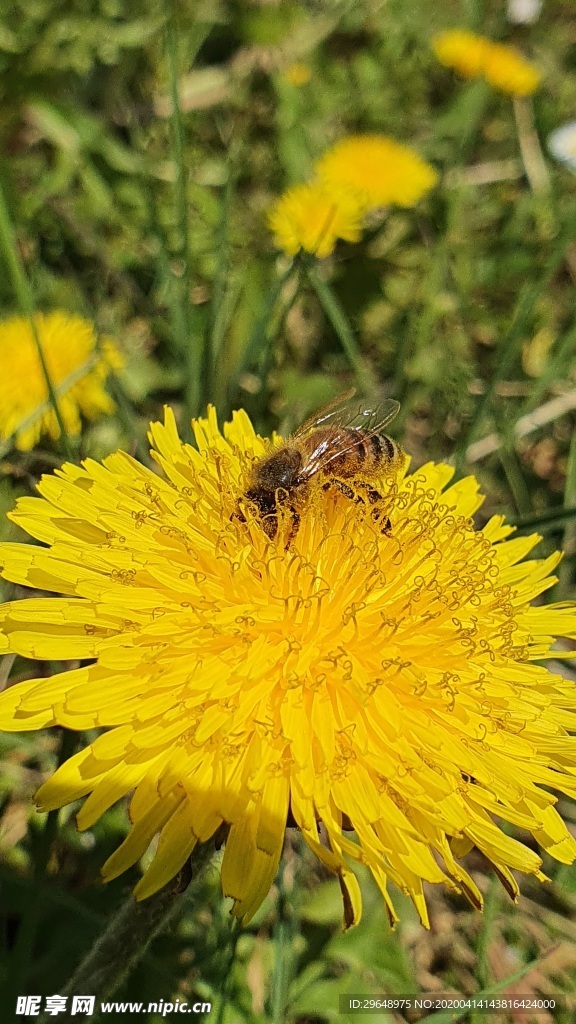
<point x="270" y="525"/>
<point x="372" y="494"/>
<point x="386" y="526"/>
<point x="268" y="517"/>
<point x="238" y="516"/>
<point x="344" y="489"/>
<point x="294" y="525"/>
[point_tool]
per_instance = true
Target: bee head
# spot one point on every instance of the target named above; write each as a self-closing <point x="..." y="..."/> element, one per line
<point x="279" y="470"/>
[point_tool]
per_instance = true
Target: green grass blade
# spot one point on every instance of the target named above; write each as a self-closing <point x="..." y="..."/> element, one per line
<point x="545" y="521"/>
<point x="264" y="331"/>
<point x="515" y="478"/>
<point x="555" y="369"/>
<point x="508" y="345"/>
<point x="337" y="317"/>
<point x="217" y="316"/>
<point x="235" y="931"/>
<point x="22" y="956"/>
<point x="190" y="340"/>
<point x="453" y="1016"/>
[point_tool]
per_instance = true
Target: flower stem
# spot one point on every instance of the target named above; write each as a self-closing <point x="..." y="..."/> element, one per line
<point x="283" y="966"/>
<point x="126" y="939"/>
<point x="286" y="931"/>
<point x="341" y="325"/>
<point x="515" y="477"/>
<point x="235" y="932"/>
<point x="530" y="148"/>
<point x="23" y="292"/>
<point x="264" y="331"/>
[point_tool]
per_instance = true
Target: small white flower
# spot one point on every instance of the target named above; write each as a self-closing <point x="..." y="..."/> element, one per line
<point x="524" y="12"/>
<point x="562" y="144"/>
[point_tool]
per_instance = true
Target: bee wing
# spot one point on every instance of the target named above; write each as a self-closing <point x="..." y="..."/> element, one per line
<point x="346" y="416"/>
<point x="336" y="407"/>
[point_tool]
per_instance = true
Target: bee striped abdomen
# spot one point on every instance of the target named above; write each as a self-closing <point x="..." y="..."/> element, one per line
<point x="388" y="449"/>
<point x="377" y="445"/>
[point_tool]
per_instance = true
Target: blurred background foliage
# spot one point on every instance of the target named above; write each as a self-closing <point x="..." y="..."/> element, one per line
<point x="148" y="217"/>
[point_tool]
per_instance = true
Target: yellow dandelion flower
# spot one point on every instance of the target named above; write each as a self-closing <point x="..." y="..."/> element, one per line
<point x="385" y="682"/>
<point x="77" y="369"/>
<point x="380" y="170"/>
<point x="474" y="56"/>
<point x="462" y="50"/>
<point x="508" y="70"/>
<point x="308" y="217"/>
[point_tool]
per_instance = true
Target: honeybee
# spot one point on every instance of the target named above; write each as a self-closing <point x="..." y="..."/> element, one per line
<point x="342" y="442"/>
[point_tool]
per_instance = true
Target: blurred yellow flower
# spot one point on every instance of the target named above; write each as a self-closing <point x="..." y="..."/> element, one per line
<point x="297" y="74"/>
<point x="462" y="50"/>
<point x="380" y="171"/>
<point x="508" y="70"/>
<point x="474" y="56"/>
<point x="390" y="683"/>
<point x="77" y="370"/>
<point x="308" y="217"/>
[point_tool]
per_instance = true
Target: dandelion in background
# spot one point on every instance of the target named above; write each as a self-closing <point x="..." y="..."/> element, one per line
<point x="508" y="70"/>
<point x="356" y="176"/>
<point x="379" y="170"/>
<point x="562" y="144"/>
<point x="385" y="682"/>
<point x="475" y="56"/>
<point x="311" y="218"/>
<point x="77" y="368"/>
<point x="462" y="50"/>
